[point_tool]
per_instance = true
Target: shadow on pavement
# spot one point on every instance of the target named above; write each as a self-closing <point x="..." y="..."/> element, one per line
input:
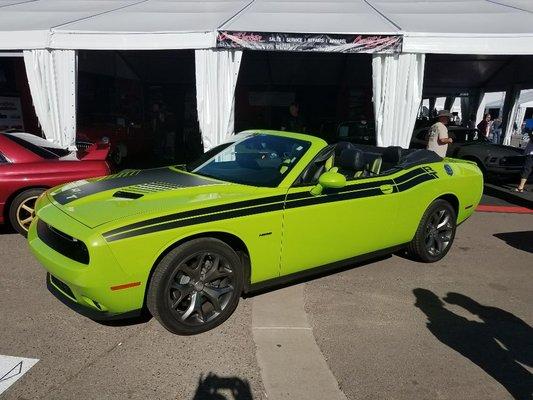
<point x="5" y="229"/>
<point x="505" y="194"/>
<point x="519" y="240"/>
<point x="141" y="319"/>
<point x="498" y="345"/>
<point x="214" y="387"/>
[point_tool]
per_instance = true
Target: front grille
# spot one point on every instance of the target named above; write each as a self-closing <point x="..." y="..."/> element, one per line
<point x="513" y="161"/>
<point x="62" y="243"/>
<point x="62" y="286"/>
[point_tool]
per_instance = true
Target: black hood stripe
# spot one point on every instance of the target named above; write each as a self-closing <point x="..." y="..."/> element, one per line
<point x="193" y="213"/>
<point x="267" y="204"/>
<point x="130" y="178"/>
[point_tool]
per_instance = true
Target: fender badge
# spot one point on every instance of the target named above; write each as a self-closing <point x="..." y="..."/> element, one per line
<point x="448" y="169"/>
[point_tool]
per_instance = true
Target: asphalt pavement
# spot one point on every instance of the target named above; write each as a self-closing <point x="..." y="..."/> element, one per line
<point x="387" y="329"/>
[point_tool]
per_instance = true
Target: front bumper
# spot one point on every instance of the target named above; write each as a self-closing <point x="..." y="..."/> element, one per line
<point x="90" y="289"/>
<point x="96" y="315"/>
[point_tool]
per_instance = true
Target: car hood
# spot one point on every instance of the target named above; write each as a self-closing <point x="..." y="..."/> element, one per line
<point x="134" y="194"/>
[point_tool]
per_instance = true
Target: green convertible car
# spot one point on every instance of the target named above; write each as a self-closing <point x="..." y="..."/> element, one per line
<point x="263" y="208"/>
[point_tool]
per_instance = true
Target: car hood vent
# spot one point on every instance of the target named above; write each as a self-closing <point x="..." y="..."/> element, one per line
<point x="137" y="191"/>
<point x="127" y="195"/>
<point x="154" y="187"/>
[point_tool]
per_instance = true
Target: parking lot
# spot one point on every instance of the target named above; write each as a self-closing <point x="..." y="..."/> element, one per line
<point x="387" y="329"/>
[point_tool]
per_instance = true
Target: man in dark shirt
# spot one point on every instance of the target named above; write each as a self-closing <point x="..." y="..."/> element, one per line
<point x="294" y="122"/>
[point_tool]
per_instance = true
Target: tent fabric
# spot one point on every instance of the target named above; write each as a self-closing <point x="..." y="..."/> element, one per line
<point x="431" y="26"/>
<point x="397" y="81"/>
<point x="509" y="112"/>
<point x="114" y="24"/>
<point x="216" y="79"/>
<point x="52" y="81"/>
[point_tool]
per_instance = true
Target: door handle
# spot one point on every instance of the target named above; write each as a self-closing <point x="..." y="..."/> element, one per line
<point x="386" y="189"/>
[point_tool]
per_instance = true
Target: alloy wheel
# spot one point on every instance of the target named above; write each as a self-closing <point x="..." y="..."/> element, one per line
<point x="200" y="288"/>
<point x="439" y="232"/>
<point x="26" y="212"/>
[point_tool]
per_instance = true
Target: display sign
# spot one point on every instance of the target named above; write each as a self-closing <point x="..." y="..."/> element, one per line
<point x="10" y="113"/>
<point x="310" y="42"/>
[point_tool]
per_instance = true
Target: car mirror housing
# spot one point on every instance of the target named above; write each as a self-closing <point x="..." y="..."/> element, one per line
<point x="329" y="180"/>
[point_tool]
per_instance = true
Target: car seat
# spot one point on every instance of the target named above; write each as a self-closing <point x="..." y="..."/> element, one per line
<point x="390" y="158"/>
<point x="351" y="163"/>
<point x="373" y="163"/>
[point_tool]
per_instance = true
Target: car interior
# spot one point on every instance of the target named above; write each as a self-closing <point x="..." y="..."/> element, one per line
<point x="363" y="161"/>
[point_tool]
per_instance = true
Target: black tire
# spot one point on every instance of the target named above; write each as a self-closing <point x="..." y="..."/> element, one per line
<point x="116" y="157"/>
<point x="432" y="243"/>
<point x="22" y="210"/>
<point x="187" y="294"/>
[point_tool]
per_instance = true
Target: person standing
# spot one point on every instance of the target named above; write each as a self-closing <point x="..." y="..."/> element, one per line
<point x="471" y="124"/>
<point x="496" y="130"/>
<point x="528" y="165"/>
<point x="294" y="122"/>
<point x="484" y="126"/>
<point x="438" y="139"/>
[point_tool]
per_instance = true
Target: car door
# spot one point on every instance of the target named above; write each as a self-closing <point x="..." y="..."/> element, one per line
<point x="337" y="224"/>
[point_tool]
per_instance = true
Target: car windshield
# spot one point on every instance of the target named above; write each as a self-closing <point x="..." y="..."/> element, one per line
<point x="257" y="160"/>
<point x="38" y="150"/>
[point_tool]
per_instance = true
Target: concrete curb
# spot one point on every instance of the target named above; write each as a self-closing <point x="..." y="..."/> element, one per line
<point x="292" y="365"/>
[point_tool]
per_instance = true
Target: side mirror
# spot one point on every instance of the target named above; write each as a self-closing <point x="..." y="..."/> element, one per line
<point x="329" y="180"/>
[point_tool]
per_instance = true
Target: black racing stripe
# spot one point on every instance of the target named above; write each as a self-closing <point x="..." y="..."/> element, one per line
<point x="198" y="220"/>
<point x="348" y="188"/>
<point x="409" y="175"/>
<point x="262" y="205"/>
<point x="198" y="212"/>
<point x="130" y="178"/>
<point x="329" y="198"/>
<point x="415" y="181"/>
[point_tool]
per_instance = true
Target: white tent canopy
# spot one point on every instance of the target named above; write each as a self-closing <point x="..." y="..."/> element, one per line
<point x="113" y="24"/>
<point x="431" y="26"/>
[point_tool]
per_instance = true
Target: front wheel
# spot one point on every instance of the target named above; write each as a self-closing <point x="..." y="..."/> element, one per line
<point x="22" y="210"/>
<point x="196" y="286"/>
<point x="435" y="234"/>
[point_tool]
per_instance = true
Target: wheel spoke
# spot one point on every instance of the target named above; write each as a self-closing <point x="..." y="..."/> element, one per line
<point x="444" y="221"/>
<point x="215" y="272"/>
<point x="27" y="208"/>
<point x="213" y="297"/>
<point x="27" y="220"/>
<point x="192" y="307"/>
<point x="431" y="244"/>
<point x="439" y="244"/>
<point x="193" y="273"/>
<point x="201" y="261"/>
<point x="184" y="292"/>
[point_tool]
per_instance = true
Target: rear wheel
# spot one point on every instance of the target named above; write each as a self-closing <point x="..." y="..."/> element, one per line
<point x="435" y="234"/>
<point x="22" y="210"/>
<point x="196" y="286"/>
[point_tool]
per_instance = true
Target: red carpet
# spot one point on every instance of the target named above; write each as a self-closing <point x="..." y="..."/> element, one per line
<point x="504" y="209"/>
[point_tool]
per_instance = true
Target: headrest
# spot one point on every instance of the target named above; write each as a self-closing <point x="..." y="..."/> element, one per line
<point x="339" y="147"/>
<point x="392" y="154"/>
<point x="351" y="159"/>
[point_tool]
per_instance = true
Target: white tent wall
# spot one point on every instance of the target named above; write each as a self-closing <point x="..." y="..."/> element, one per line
<point x="216" y="78"/>
<point x="510" y="108"/>
<point x="397" y="81"/>
<point x="52" y="81"/>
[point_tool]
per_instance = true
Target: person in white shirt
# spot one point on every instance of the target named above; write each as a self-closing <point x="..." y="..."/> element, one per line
<point x="438" y="139"/>
<point x="528" y="165"/>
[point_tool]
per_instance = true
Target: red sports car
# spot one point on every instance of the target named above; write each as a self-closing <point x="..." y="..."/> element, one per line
<point x="29" y="165"/>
